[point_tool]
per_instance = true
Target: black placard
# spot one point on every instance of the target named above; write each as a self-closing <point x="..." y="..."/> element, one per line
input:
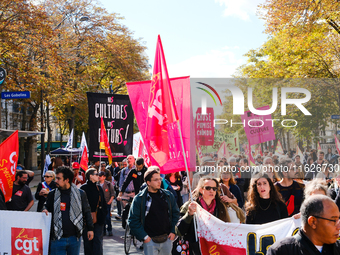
<point x="117" y="114"/>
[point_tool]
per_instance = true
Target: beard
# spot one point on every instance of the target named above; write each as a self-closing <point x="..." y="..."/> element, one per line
<point x="22" y="183"/>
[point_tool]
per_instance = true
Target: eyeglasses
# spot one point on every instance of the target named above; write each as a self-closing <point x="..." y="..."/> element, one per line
<point x="209" y="188"/>
<point x="157" y="179"/>
<point x="335" y="221"/>
<point x="46" y="176"/>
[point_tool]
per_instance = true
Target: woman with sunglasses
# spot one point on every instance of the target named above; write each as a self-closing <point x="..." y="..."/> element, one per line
<point x="44" y="188"/>
<point x="95" y="196"/>
<point x="265" y="203"/>
<point x="206" y="195"/>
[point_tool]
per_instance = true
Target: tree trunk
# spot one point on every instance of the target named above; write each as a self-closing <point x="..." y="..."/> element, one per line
<point x="288" y="142"/>
<point x="49" y="131"/>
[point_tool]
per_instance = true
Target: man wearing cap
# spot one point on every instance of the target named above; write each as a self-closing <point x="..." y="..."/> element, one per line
<point x="79" y="176"/>
<point x="319" y="231"/>
<point x="109" y="195"/>
<point x="153" y="215"/>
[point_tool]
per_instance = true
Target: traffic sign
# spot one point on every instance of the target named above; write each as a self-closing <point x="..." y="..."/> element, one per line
<point x="335" y="117"/>
<point x="338" y="132"/>
<point x="16" y="95"/>
<point x="2" y="75"/>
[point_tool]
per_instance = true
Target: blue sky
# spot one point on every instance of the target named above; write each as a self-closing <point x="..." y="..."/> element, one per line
<point x="202" y="38"/>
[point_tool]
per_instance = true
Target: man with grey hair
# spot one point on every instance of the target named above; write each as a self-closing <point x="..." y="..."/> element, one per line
<point x="268" y="161"/>
<point x="319" y="232"/>
<point x="129" y="191"/>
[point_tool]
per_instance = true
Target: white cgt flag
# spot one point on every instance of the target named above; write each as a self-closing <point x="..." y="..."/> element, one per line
<point x="83" y="143"/>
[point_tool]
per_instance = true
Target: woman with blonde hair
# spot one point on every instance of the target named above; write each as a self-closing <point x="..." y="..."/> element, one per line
<point x="206" y="195"/>
<point x="227" y="178"/>
<point x="265" y="203"/>
<point x="44" y="188"/>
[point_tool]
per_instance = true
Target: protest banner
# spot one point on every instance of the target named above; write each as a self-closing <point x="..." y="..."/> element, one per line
<point x="204" y="126"/>
<point x="24" y="233"/>
<point x="9" y="153"/>
<point x="139" y="149"/>
<point x="139" y="95"/>
<point x="117" y="115"/>
<point x="223" y="151"/>
<point x="258" y="128"/>
<point x="218" y="237"/>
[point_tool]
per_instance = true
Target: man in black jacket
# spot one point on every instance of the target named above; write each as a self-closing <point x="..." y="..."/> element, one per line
<point x="136" y="176"/>
<point x="67" y="217"/>
<point x="319" y="232"/>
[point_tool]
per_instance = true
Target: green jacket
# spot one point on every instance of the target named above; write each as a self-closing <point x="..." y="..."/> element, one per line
<point x="136" y="218"/>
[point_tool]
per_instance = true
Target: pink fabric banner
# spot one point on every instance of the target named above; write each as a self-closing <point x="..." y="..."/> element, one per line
<point x="139" y="96"/>
<point x="258" y="128"/>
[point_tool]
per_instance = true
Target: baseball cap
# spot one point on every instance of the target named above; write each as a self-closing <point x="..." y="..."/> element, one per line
<point x="75" y="165"/>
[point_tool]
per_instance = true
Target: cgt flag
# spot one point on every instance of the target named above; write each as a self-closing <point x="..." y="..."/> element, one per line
<point x="9" y="151"/>
<point x="84" y="160"/>
<point x="104" y="142"/>
<point x="161" y="109"/>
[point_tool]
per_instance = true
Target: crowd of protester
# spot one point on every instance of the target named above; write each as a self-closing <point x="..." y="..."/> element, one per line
<point x="161" y="215"/>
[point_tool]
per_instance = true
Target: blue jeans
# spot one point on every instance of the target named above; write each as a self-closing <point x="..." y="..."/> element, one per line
<point x="95" y="246"/>
<point x="108" y="219"/>
<point x="152" y="248"/>
<point x="65" y="245"/>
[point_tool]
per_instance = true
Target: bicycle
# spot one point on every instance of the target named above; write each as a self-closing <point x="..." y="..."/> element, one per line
<point x="128" y="237"/>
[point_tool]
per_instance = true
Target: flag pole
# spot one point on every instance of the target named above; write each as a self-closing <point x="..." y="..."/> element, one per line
<point x="187" y="170"/>
<point x="100" y="151"/>
<point x="185" y="159"/>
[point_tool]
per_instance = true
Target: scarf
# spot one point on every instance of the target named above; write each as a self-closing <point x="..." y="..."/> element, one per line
<point x="76" y="215"/>
<point x="210" y="208"/>
<point x="45" y="186"/>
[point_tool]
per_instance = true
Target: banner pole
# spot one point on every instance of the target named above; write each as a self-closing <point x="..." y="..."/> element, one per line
<point x="187" y="170"/>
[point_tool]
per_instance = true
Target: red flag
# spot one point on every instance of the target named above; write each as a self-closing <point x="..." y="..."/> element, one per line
<point x="84" y="162"/>
<point x="9" y="152"/>
<point x="319" y="147"/>
<point x="161" y="109"/>
<point x="337" y="143"/>
<point x="104" y="141"/>
<point x="251" y="159"/>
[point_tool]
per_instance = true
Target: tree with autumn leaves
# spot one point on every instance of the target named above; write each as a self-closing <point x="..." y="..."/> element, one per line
<point x="303" y="42"/>
<point x="59" y="50"/>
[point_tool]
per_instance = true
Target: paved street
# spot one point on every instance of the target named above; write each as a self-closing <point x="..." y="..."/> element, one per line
<point x="112" y="244"/>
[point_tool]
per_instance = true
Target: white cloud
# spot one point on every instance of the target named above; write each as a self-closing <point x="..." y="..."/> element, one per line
<point x="242" y="9"/>
<point x="216" y="63"/>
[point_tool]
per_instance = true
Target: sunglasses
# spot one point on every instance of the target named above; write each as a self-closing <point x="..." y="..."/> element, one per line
<point x="46" y="176"/>
<point x="95" y="174"/>
<point x="209" y="188"/>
